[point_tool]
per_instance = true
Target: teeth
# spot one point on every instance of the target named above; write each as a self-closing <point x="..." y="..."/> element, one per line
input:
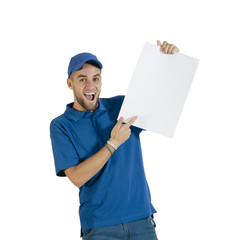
<point x="89" y="94"/>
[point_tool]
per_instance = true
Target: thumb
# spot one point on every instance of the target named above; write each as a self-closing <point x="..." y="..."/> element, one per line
<point x="119" y="123"/>
<point x="158" y="43"/>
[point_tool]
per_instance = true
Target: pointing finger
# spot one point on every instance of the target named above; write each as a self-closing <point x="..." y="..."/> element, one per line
<point x="128" y="124"/>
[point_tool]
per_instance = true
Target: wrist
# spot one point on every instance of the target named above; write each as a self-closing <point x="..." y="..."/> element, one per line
<point x="111" y="148"/>
<point x="113" y="144"/>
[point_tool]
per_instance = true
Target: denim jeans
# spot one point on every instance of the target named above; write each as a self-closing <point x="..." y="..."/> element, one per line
<point x="143" y="229"/>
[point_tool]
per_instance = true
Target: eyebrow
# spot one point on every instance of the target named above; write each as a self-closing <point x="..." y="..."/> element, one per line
<point x="96" y="75"/>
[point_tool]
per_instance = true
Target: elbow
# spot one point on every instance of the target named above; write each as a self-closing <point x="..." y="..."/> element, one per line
<point x="75" y="177"/>
<point x="78" y="184"/>
<point x="70" y="173"/>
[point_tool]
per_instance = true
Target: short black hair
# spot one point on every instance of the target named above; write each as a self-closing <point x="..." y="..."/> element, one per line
<point x="93" y="64"/>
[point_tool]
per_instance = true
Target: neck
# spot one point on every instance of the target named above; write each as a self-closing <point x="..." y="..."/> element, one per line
<point x="78" y="107"/>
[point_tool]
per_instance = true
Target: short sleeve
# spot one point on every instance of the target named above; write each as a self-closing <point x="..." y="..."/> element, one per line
<point x="65" y="155"/>
<point x="137" y="130"/>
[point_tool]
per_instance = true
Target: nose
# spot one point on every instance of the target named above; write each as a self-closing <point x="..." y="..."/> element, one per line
<point x="90" y="84"/>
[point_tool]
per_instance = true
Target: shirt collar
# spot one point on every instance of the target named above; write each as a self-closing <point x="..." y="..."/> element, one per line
<point x="74" y="114"/>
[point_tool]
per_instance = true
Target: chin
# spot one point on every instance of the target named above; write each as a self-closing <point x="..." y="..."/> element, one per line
<point x="93" y="107"/>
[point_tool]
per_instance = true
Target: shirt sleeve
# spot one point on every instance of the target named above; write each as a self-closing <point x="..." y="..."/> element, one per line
<point x="65" y="155"/>
<point x="138" y="130"/>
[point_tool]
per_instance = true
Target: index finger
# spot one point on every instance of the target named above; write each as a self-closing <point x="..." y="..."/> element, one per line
<point x="129" y="123"/>
<point x="175" y="49"/>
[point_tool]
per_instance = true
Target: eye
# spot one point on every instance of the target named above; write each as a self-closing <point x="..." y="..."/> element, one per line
<point x="96" y="79"/>
<point x="82" y="80"/>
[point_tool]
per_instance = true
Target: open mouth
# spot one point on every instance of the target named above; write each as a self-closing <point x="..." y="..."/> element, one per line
<point x="89" y="96"/>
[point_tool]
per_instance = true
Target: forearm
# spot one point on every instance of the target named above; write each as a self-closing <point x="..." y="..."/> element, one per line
<point x="83" y="172"/>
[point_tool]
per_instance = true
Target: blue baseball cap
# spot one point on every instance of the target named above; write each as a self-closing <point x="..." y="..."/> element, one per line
<point x="78" y="60"/>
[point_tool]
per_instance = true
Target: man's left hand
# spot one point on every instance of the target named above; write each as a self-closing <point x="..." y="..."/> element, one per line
<point x="167" y="47"/>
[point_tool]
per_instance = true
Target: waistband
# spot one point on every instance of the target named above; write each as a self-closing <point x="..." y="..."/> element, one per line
<point x="151" y="216"/>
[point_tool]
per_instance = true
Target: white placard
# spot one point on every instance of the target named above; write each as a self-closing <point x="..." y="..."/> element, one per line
<point x="158" y="89"/>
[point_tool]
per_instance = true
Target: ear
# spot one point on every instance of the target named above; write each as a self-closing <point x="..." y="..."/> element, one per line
<point x="69" y="83"/>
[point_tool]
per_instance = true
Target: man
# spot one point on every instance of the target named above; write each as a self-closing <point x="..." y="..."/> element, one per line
<point x="102" y="156"/>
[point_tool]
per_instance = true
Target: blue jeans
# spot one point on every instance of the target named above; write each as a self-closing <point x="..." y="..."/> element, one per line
<point x="143" y="229"/>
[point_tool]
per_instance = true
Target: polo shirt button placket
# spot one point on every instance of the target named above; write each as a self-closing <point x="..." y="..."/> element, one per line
<point x="97" y="131"/>
<point x="88" y="114"/>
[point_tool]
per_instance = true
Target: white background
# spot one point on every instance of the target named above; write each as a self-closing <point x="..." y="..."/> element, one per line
<point x="187" y="175"/>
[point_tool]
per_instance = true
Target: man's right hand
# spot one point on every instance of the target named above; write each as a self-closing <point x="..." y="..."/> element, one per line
<point x="121" y="132"/>
<point x="84" y="171"/>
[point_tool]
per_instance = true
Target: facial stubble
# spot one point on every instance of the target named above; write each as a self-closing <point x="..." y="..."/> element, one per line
<point x="82" y="102"/>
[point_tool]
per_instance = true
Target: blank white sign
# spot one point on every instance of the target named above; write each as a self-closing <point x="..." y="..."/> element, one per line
<point x="158" y="89"/>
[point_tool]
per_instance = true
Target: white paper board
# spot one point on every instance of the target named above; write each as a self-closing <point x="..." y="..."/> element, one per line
<point x="158" y="89"/>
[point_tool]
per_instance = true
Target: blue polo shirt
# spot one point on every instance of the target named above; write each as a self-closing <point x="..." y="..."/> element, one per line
<point x="119" y="192"/>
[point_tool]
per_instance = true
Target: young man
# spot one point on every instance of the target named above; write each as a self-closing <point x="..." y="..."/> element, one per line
<point x="102" y="156"/>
